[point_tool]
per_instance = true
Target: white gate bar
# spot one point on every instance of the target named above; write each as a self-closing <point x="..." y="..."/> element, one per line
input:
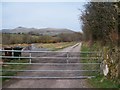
<point x="49" y="57"/>
<point x="27" y="77"/>
<point x="50" y="63"/>
<point x="29" y="51"/>
<point x="49" y="70"/>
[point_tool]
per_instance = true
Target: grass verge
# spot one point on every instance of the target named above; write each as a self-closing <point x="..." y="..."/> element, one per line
<point x="99" y="81"/>
<point x="13" y="67"/>
<point x="102" y="82"/>
<point x="55" y="46"/>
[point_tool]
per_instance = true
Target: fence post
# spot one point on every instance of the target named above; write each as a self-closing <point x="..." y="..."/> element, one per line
<point x="19" y="55"/>
<point x="12" y="52"/>
<point x="30" y="57"/>
<point x="67" y="56"/>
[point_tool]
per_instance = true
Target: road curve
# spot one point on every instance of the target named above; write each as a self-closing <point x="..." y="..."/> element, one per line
<point x="48" y="83"/>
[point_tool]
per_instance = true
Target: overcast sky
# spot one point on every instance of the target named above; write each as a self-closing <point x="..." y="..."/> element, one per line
<point x="41" y="15"/>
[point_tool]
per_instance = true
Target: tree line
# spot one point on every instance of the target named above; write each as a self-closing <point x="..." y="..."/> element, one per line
<point x="100" y="22"/>
<point x="8" y="38"/>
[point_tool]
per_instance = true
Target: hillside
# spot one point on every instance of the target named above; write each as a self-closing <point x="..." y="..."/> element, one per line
<point x="43" y="31"/>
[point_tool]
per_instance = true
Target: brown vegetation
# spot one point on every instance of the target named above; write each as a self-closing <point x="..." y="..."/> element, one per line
<point x="28" y="39"/>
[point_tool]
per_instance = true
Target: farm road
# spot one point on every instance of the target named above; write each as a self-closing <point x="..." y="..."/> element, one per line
<point x="50" y="83"/>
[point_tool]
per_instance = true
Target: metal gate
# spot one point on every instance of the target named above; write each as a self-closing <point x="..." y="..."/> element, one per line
<point x="51" y="64"/>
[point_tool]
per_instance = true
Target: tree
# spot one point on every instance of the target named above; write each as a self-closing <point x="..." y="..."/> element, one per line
<point x="100" y="22"/>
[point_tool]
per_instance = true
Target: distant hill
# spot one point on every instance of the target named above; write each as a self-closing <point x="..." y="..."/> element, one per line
<point x="43" y="31"/>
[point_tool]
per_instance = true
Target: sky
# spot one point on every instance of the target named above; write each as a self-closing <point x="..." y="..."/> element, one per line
<point x="41" y="15"/>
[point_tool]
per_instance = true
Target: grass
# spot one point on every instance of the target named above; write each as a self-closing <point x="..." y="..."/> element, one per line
<point x="13" y="67"/>
<point x="14" y="45"/>
<point x="99" y="81"/>
<point x="85" y="48"/>
<point x="55" y="46"/>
